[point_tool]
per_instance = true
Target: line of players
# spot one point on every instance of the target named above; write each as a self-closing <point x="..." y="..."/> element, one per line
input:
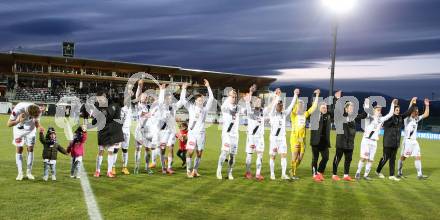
<point x="156" y="128"/>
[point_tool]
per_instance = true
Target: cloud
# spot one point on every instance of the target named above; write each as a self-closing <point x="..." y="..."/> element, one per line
<point x="257" y="37"/>
<point x="47" y="27"/>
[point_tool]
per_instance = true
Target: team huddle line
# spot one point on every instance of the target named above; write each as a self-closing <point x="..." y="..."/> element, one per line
<point x="156" y="133"/>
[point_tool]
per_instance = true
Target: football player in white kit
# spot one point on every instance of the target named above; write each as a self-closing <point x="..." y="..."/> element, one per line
<point x="143" y="133"/>
<point x="256" y="116"/>
<point x="278" y="144"/>
<point x="167" y="125"/>
<point x="371" y="136"/>
<point x="411" y="147"/>
<point x="24" y="119"/>
<point x="196" y="129"/>
<point x="231" y="122"/>
<point x="126" y="117"/>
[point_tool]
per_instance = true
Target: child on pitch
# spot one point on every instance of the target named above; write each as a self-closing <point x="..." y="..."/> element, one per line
<point x="371" y="136"/>
<point x="411" y="147"/>
<point x="298" y="119"/>
<point x="277" y="136"/>
<point x="50" y="152"/>
<point x="76" y="150"/>
<point x="182" y="136"/>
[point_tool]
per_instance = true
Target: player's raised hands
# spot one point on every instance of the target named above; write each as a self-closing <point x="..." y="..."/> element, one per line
<point x="426" y="102"/>
<point x="317" y="92"/>
<point x="414" y="100"/>
<point x="395" y="101"/>
<point x="41" y="130"/>
<point x="162" y="86"/>
<point x="205" y="81"/>
<point x="141" y="82"/>
<point x="366" y="103"/>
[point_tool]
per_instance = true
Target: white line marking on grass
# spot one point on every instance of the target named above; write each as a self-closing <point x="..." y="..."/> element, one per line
<point x="92" y="205"/>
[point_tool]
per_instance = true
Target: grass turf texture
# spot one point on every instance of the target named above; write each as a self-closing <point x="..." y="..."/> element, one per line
<point x="171" y="197"/>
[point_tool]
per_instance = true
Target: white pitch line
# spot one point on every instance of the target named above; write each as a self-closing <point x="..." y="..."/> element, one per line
<point x="92" y="205"/>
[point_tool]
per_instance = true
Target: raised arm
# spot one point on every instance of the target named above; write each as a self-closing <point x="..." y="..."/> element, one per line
<point x="161" y="94"/>
<point x="288" y="110"/>
<point x="363" y="114"/>
<point x="210" y="96"/>
<point x="390" y="114"/>
<point x="42" y="138"/>
<point x="182" y="100"/>
<point x="139" y="89"/>
<point x="412" y="105"/>
<point x="426" y="113"/>
<point x="314" y="105"/>
<point x="275" y="101"/>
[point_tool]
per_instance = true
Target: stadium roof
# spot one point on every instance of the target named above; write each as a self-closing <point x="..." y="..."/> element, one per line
<point x="217" y="79"/>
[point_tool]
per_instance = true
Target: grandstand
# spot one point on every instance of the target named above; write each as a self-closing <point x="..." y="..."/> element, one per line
<point x="46" y="79"/>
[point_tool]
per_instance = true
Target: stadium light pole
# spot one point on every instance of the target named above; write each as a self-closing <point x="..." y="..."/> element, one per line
<point x="337" y="8"/>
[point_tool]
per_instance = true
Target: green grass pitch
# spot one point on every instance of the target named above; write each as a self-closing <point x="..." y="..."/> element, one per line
<point x="174" y="197"/>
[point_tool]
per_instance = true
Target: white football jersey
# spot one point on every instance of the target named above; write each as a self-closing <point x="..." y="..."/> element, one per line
<point x="167" y="112"/>
<point x="29" y="122"/>
<point x="411" y="127"/>
<point x="374" y="124"/>
<point x="255" y="119"/>
<point x="230" y="118"/>
<point x="197" y="115"/>
<point x="278" y="119"/>
<point x="126" y="117"/>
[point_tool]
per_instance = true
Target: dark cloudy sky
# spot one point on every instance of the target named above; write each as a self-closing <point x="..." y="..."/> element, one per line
<point x="391" y="46"/>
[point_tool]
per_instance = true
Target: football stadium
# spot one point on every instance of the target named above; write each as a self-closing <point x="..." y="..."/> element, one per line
<point x="215" y="113"/>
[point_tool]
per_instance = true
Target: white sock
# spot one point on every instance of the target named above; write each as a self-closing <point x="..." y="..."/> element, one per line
<point x="153" y="155"/>
<point x="115" y="159"/>
<point x="345" y="175"/>
<point x="98" y="163"/>
<point x="360" y="166"/>
<point x="272" y="166"/>
<point x="19" y="162"/>
<point x="188" y="164"/>
<point x="110" y="162"/>
<point x="221" y="160"/>
<point x="248" y="162"/>
<point x="170" y="162"/>
<point x="137" y="158"/>
<point x="197" y="163"/>
<point x="418" y="164"/>
<point x="367" y="168"/>
<point x="283" y="166"/>
<point x="30" y="161"/>
<point x="258" y="164"/>
<point x="399" y="167"/>
<point x="125" y="159"/>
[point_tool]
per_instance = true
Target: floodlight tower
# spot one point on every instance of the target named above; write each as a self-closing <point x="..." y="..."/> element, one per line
<point x="338" y="8"/>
